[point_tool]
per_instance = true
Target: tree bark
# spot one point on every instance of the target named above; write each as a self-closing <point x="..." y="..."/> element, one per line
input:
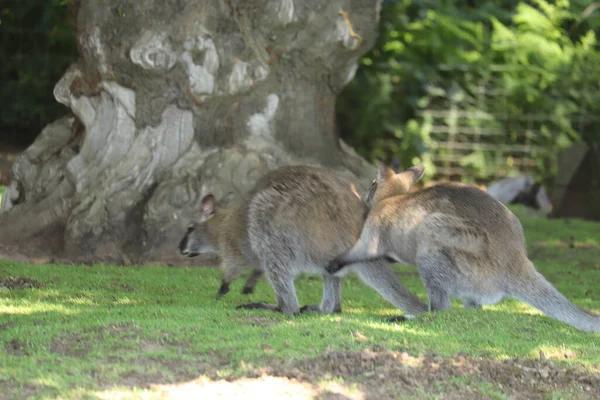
<point x="175" y="99"/>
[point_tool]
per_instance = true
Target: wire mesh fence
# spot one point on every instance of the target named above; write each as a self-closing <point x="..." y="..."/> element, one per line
<point x="481" y="134"/>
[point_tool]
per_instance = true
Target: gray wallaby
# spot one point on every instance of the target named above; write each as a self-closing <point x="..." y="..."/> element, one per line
<point x="464" y="242"/>
<point x="295" y="219"/>
<point x="256" y="273"/>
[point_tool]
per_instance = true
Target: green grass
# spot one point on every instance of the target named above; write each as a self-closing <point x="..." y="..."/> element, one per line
<point x="87" y="327"/>
<point x="2" y="188"/>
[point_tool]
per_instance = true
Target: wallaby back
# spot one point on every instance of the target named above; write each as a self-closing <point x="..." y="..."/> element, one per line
<point x="303" y="214"/>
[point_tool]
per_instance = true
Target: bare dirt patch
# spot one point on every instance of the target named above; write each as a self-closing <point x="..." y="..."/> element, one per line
<point x="25" y="390"/>
<point x="370" y="374"/>
<point x="386" y="374"/>
<point x="7" y="325"/>
<point x="16" y="347"/>
<point x="73" y="346"/>
<point x="19" y="282"/>
<point x="80" y="344"/>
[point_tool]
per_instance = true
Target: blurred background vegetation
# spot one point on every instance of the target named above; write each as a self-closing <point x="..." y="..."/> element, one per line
<point x="37" y="44"/>
<point x="477" y="89"/>
<point x="473" y="89"/>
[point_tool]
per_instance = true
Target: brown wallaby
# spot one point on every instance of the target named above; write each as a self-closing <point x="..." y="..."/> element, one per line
<point x="255" y="275"/>
<point x="464" y="242"/>
<point x="294" y="220"/>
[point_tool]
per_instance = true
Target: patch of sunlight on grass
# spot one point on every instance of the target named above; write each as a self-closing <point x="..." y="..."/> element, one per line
<point x="581" y="242"/>
<point x="127" y="301"/>
<point x="589" y="242"/>
<point x="355" y="310"/>
<point x="45" y="381"/>
<point x="527" y="309"/>
<point x="35" y="308"/>
<point x="513" y="306"/>
<point x="497" y="353"/>
<point x="80" y="301"/>
<point x="554" y="352"/>
<point x="247" y="388"/>
<point x="396" y="327"/>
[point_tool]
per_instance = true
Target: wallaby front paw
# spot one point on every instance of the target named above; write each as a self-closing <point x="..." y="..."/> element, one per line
<point x="317" y="308"/>
<point x="334" y="266"/>
<point x="310" y="308"/>
<point x="248" y="289"/>
<point x="223" y="290"/>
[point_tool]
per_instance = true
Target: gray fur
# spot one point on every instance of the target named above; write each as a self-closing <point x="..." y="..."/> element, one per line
<point x="295" y="220"/>
<point x="465" y="244"/>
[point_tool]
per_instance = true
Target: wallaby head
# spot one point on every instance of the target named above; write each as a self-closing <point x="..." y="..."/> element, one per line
<point x="200" y="236"/>
<point x="214" y="232"/>
<point x="388" y="183"/>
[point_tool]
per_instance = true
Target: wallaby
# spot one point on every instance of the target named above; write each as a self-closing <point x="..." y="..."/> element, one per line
<point x="294" y="220"/>
<point x="464" y="242"/>
<point x="223" y="204"/>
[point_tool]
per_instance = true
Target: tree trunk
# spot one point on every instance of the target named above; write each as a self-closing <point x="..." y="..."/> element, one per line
<point x="172" y="100"/>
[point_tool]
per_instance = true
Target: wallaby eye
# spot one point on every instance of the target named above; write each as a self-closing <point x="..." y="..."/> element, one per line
<point x="372" y="190"/>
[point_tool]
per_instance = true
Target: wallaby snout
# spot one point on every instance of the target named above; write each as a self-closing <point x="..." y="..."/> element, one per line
<point x="185" y="245"/>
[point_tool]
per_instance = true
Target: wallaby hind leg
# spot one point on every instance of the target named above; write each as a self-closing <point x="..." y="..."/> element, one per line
<point x="378" y="275"/>
<point x="283" y="285"/>
<point x="434" y="268"/>
<point x="332" y="297"/>
<point x="439" y="299"/>
<point x="252" y="280"/>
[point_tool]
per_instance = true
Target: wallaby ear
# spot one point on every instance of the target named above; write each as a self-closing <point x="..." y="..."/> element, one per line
<point x="417" y="172"/>
<point x="224" y="202"/>
<point x="384" y="172"/>
<point x="411" y="175"/>
<point x="208" y="205"/>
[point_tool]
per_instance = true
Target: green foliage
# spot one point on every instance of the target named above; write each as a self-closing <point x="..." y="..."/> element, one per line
<point x="90" y="327"/>
<point x="502" y="79"/>
<point x="37" y="44"/>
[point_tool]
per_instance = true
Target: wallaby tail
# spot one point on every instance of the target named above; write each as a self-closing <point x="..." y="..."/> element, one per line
<point x="378" y="275"/>
<point x="541" y="294"/>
